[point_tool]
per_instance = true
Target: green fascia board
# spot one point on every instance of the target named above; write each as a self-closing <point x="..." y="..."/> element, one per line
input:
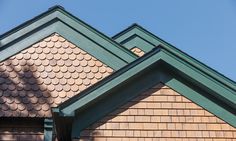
<point x="58" y="14"/>
<point x="116" y="98"/>
<point x="124" y="34"/>
<point x="48" y="129"/>
<point x="139" y="85"/>
<point x="88" y="95"/>
<point x="137" y="30"/>
<point x="222" y="92"/>
<point x="139" y="42"/>
<point x="70" y="34"/>
<point x="217" y="92"/>
<point x="189" y="71"/>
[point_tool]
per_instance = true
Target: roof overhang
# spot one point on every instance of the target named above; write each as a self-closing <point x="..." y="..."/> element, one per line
<point x="58" y="20"/>
<point x="158" y="66"/>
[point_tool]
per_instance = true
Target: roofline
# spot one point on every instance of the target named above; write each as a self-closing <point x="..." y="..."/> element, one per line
<point x="108" y="78"/>
<point x="160" y="48"/>
<point x="217" y="98"/>
<point x="222" y="78"/>
<point x="132" y="26"/>
<point x="62" y="9"/>
<point x="51" y="18"/>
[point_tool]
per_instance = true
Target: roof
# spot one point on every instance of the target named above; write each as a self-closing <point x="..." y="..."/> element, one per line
<point x="36" y="60"/>
<point x="161" y="65"/>
<point x="44" y="75"/>
<point x="137" y="36"/>
<point x="50" y="58"/>
<point x="56" y="19"/>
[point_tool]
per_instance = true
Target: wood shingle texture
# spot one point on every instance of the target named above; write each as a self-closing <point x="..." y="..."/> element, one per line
<point x="160" y="114"/>
<point x="44" y="75"/>
<point x="138" y="51"/>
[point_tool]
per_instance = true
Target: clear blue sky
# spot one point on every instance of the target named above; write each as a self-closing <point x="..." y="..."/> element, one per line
<point x="205" y="29"/>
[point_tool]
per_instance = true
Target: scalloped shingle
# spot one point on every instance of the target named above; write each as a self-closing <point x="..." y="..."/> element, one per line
<point x="44" y="75"/>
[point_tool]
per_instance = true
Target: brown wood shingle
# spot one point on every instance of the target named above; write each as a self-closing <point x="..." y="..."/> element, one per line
<point x="44" y="75"/>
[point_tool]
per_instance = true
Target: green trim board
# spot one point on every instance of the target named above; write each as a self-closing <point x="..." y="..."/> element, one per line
<point x="137" y="41"/>
<point x="136" y="30"/>
<point x="48" y="129"/>
<point x="158" y="66"/>
<point x="60" y="21"/>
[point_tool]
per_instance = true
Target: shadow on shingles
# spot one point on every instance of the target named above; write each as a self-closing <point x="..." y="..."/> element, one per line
<point x="20" y="92"/>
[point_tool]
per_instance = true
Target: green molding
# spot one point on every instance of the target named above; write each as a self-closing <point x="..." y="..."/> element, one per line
<point x="100" y="88"/>
<point x="197" y="96"/>
<point x="148" y="37"/>
<point x="198" y="77"/>
<point x="159" y="65"/>
<point x="62" y="22"/>
<point x="221" y="91"/>
<point x="117" y="97"/>
<point x="142" y="83"/>
<point x="48" y="129"/>
<point x="137" y="41"/>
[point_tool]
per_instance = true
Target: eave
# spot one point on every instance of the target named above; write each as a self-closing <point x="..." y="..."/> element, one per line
<point x="58" y="20"/>
<point x="157" y="66"/>
<point x="136" y="35"/>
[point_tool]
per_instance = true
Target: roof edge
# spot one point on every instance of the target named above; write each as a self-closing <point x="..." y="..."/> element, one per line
<point x="137" y="62"/>
<point x="76" y="19"/>
<point x="218" y="76"/>
<point x="176" y="74"/>
<point x="132" y="26"/>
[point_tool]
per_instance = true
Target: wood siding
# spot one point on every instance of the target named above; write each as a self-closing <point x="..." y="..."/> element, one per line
<point x="160" y="114"/>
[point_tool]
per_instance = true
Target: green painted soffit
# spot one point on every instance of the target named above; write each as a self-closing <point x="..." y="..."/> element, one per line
<point x="58" y="20"/>
<point x="186" y="79"/>
<point x="137" y="36"/>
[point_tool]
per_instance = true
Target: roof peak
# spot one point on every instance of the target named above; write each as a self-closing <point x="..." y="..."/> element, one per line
<point x="24" y="24"/>
<point x="132" y="26"/>
<point x="56" y="7"/>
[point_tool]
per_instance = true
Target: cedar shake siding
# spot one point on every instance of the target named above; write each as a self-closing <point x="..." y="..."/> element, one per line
<point x="138" y="51"/>
<point x="159" y="114"/>
<point x="44" y="75"/>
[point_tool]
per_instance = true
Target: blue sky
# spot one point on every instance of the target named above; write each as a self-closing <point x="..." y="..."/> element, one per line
<point x="204" y="29"/>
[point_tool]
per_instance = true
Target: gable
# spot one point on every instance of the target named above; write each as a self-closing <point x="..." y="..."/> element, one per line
<point x="57" y="20"/>
<point x="159" y="113"/>
<point x="158" y="66"/>
<point x="44" y="75"/>
<point x="136" y="36"/>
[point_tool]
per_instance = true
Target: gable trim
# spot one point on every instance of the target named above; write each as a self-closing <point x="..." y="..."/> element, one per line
<point x="206" y="92"/>
<point x="187" y="70"/>
<point x="137" y="41"/>
<point x="118" y="98"/>
<point x="46" y="24"/>
<point x="148" y="37"/>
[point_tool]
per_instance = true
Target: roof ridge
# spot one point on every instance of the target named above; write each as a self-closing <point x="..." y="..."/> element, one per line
<point x="130" y="27"/>
<point x="76" y="19"/>
<point x="56" y="7"/>
<point x="171" y="47"/>
<point x="158" y="65"/>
